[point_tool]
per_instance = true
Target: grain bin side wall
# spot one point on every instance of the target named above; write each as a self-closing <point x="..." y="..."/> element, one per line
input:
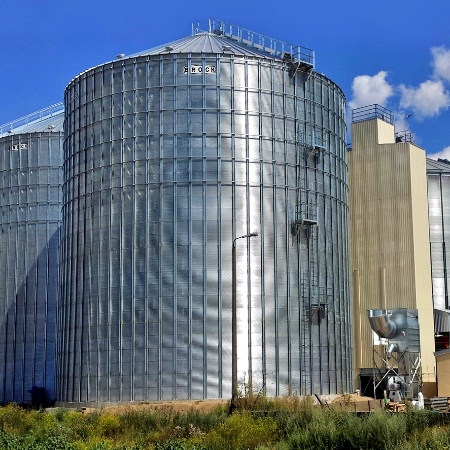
<point x="438" y="198"/>
<point x="163" y="168"/>
<point x="30" y="193"/>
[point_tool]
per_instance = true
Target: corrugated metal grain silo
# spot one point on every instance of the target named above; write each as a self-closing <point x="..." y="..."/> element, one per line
<point x="30" y="205"/>
<point x="438" y="178"/>
<point x="170" y="155"/>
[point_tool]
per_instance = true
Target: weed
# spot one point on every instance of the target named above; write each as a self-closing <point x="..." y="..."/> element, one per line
<point x="285" y="423"/>
<point x="241" y="431"/>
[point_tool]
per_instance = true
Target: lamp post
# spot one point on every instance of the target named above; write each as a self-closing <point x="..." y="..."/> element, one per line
<point x="406" y="120"/>
<point x="234" y="387"/>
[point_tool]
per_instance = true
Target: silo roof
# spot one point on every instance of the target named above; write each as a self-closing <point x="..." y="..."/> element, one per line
<point x="440" y="165"/>
<point x="207" y="43"/>
<point x="212" y="36"/>
<point x="47" y="120"/>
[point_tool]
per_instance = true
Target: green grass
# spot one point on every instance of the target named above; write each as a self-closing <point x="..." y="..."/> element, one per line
<point x="279" y="424"/>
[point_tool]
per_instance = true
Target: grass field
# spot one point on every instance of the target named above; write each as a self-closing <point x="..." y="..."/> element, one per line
<point x="282" y="424"/>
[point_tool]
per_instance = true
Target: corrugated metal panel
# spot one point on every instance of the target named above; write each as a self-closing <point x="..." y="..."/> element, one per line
<point x="441" y="321"/>
<point x="438" y="177"/>
<point x="30" y="192"/>
<point x="437" y="165"/>
<point x="152" y="258"/>
<point x="205" y="43"/>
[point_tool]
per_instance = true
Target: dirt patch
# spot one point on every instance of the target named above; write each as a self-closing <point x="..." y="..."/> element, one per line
<point x="344" y="401"/>
<point x="351" y="398"/>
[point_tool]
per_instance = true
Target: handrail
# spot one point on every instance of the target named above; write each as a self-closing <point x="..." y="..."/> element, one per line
<point x="260" y="42"/>
<point x="42" y="114"/>
<point x="372" y="112"/>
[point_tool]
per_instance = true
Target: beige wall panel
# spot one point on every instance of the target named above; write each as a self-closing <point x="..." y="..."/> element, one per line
<point x="388" y="231"/>
<point x="443" y="373"/>
<point x="384" y="133"/>
<point x="422" y="264"/>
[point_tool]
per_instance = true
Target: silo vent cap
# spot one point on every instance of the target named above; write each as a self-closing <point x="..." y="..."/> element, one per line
<point x="226" y="48"/>
<point x="120" y="55"/>
<point x="169" y="48"/>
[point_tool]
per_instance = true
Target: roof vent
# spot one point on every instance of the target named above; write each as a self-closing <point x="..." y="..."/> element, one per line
<point x="169" y="48"/>
<point x="226" y="48"/>
<point x="51" y="127"/>
<point x="120" y="55"/>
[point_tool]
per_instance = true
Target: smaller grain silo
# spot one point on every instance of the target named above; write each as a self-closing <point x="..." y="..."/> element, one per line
<point x="30" y="217"/>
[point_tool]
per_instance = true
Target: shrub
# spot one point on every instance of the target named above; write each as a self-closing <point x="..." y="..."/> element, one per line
<point x="14" y="442"/>
<point x="172" y="445"/>
<point x="15" y="419"/>
<point x="286" y="423"/>
<point x="340" y="430"/>
<point x="435" y="438"/>
<point x="241" y="431"/>
<point x="320" y="433"/>
<point x="197" y="421"/>
<point x="109" y="425"/>
<point x="144" y="421"/>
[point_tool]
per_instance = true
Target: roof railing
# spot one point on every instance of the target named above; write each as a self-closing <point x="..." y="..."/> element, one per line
<point x="265" y="44"/>
<point x="372" y="112"/>
<point x="37" y="116"/>
<point x="403" y="136"/>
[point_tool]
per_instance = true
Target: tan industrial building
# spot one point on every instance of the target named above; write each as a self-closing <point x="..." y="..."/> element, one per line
<point x="389" y="235"/>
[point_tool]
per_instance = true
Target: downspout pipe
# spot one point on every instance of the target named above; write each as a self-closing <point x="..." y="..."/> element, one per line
<point x="392" y="348"/>
<point x="381" y="324"/>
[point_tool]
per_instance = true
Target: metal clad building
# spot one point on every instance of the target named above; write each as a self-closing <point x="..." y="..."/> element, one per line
<point x="169" y="155"/>
<point x="390" y="254"/>
<point x="438" y="178"/>
<point x="30" y="193"/>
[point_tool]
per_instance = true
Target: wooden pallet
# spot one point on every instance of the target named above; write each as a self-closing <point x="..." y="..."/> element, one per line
<point x="395" y="407"/>
<point x="440" y="404"/>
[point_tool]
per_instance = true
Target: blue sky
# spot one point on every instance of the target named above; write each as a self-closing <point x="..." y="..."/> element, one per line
<point x="395" y="53"/>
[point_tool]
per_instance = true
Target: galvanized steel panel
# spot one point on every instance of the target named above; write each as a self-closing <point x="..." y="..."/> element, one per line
<point x="221" y="162"/>
<point x="438" y="176"/>
<point x="30" y="189"/>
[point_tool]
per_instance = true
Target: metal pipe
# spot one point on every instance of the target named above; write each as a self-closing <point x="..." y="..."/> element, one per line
<point x="383" y="304"/>
<point x="357" y="319"/>
<point x="234" y="391"/>
<point x="381" y="324"/>
<point x="392" y="348"/>
<point x="234" y="386"/>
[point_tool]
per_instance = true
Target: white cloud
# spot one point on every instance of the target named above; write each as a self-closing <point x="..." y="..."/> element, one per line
<point x="441" y="62"/>
<point x="443" y="154"/>
<point x="427" y="100"/>
<point x="369" y="90"/>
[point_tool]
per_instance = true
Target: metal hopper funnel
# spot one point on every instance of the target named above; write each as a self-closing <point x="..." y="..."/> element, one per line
<point x="381" y="323"/>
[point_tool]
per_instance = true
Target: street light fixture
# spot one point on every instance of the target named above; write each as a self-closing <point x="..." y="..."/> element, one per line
<point x="406" y="120"/>
<point x="234" y="387"/>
